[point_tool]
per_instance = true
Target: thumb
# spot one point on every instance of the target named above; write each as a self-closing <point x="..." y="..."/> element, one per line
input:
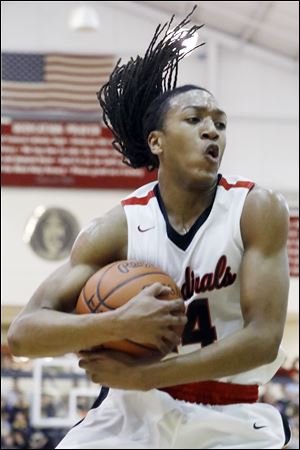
<point x="157" y="289"/>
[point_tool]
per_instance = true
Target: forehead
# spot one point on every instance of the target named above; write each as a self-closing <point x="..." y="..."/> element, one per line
<point x="193" y="98"/>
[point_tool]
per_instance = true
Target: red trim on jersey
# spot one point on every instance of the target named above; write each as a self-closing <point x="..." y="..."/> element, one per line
<point x="214" y="393"/>
<point x="138" y="200"/>
<point x="243" y="184"/>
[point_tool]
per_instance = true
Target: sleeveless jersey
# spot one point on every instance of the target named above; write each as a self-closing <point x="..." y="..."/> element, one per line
<point x="205" y="263"/>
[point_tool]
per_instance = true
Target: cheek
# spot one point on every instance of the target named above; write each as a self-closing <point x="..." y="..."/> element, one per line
<point x="182" y="144"/>
<point x="172" y="157"/>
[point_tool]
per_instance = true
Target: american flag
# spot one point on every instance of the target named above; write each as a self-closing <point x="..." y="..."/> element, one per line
<point x="51" y="82"/>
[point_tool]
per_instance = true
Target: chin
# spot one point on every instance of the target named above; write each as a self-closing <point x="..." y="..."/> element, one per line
<point x="201" y="180"/>
<point x="212" y="173"/>
<point x="204" y="175"/>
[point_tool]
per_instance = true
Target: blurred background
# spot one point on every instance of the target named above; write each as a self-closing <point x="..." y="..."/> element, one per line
<point x="58" y="170"/>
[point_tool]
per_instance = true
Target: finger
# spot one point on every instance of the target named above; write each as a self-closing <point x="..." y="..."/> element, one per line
<point x="90" y="355"/>
<point x="176" y="305"/>
<point x="92" y="351"/>
<point x="157" y="288"/>
<point x="85" y="353"/>
<point x="115" y="354"/>
<point x="172" y="338"/>
<point x="167" y="346"/>
<point x="163" y="346"/>
<point x="178" y="320"/>
<point x="82" y="363"/>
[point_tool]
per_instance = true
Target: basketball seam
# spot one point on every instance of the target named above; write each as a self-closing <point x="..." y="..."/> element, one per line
<point x="141" y="345"/>
<point x="124" y="283"/>
<point x="85" y="298"/>
<point x="102" y="301"/>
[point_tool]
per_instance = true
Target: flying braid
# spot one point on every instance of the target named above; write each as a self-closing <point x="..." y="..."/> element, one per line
<point x="132" y="87"/>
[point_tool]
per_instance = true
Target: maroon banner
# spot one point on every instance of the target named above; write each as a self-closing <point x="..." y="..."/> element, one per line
<point x="64" y="154"/>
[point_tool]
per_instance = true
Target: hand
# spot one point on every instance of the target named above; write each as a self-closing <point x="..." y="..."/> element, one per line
<point x="148" y="320"/>
<point x="113" y="369"/>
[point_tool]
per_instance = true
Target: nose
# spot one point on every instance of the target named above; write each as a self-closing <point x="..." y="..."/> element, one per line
<point x="209" y="130"/>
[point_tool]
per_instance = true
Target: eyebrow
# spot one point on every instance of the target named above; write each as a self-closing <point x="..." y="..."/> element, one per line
<point x="203" y="108"/>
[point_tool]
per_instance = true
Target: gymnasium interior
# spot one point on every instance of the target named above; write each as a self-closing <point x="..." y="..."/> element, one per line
<point x="59" y="170"/>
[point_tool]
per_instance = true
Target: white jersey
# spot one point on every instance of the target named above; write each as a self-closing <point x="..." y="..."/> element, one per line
<point x="205" y="263"/>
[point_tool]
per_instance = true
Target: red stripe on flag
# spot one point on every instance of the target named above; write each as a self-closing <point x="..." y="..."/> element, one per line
<point x="52" y="76"/>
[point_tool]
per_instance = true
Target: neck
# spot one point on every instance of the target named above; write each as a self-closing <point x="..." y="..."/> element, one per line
<point x="185" y="204"/>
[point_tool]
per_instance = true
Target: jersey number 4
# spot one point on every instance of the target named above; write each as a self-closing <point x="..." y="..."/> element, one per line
<point x="199" y="328"/>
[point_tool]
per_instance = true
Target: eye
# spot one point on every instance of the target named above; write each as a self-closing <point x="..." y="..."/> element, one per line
<point x="220" y="125"/>
<point x="192" y="120"/>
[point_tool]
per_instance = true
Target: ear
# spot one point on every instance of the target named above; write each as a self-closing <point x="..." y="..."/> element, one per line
<point x="155" y="142"/>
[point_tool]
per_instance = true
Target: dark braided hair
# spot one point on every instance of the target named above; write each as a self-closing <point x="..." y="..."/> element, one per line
<point x="136" y="96"/>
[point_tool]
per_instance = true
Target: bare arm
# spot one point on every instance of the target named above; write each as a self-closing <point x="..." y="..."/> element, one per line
<point x="264" y="293"/>
<point x="47" y="327"/>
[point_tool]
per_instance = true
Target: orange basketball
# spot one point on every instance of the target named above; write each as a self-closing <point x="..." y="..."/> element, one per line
<point x="114" y="285"/>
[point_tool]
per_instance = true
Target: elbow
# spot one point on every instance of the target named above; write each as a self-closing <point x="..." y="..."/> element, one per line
<point x="272" y="350"/>
<point x="264" y="342"/>
<point x="269" y="356"/>
<point x="14" y="343"/>
<point x="269" y="349"/>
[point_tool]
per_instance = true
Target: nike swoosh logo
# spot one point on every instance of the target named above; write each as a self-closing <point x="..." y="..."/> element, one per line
<point x="258" y="428"/>
<point x="142" y="230"/>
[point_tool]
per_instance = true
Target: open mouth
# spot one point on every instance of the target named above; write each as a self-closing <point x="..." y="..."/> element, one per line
<point x="213" y="151"/>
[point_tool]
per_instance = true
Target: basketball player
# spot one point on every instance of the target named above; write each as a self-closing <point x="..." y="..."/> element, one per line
<point x="221" y="238"/>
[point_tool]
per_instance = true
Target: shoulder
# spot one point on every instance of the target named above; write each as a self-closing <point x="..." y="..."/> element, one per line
<point x="234" y="181"/>
<point x="265" y="219"/>
<point x="103" y="240"/>
<point x="261" y="198"/>
<point x="141" y="196"/>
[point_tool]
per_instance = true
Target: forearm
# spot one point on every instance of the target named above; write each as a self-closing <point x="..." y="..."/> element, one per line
<point x="240" y="352"/>
<point x="52" y="333"/>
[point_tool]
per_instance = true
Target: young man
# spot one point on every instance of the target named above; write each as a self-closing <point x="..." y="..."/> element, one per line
<point x="222" y="239"/>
